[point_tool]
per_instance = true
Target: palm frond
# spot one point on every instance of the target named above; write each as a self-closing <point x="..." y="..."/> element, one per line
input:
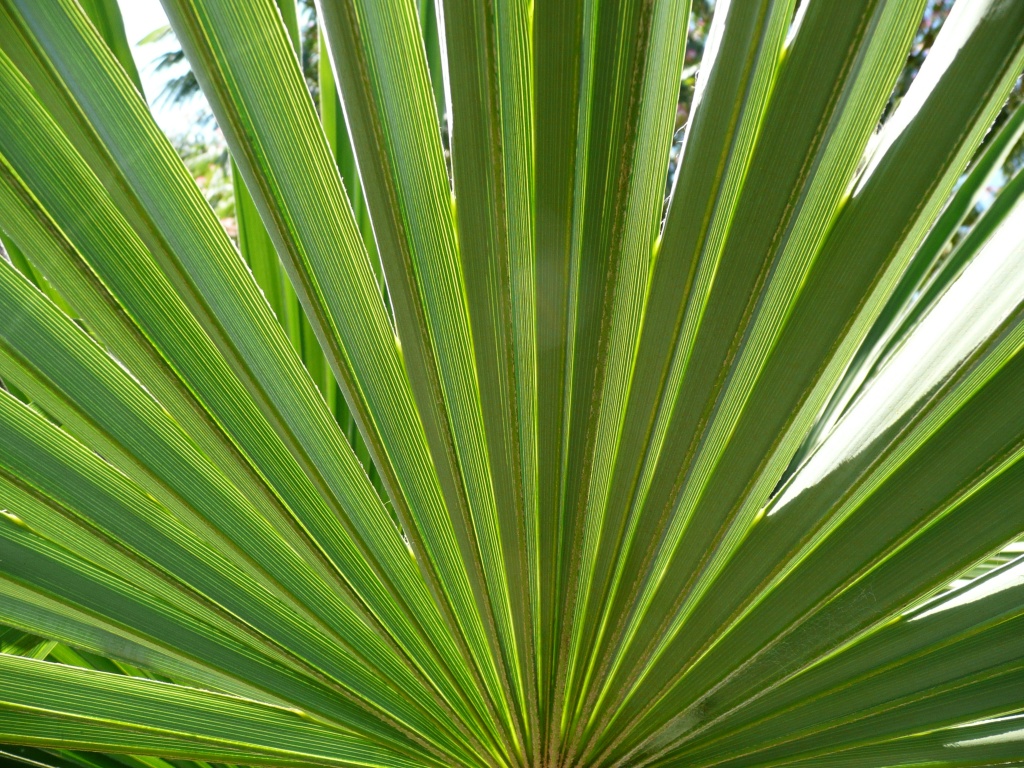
<point x="477" y="450"/>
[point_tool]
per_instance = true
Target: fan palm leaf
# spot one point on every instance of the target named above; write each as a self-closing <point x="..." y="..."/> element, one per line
<point x="473" y="452"/>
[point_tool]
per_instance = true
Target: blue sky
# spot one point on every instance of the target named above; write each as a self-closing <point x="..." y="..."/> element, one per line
<point x="140" y="18"/>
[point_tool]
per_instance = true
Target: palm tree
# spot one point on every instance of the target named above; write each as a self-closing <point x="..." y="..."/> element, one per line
<point x="549" y="480"/>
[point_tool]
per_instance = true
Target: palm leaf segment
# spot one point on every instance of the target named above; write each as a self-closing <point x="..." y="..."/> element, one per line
<point x="501" y="468"/>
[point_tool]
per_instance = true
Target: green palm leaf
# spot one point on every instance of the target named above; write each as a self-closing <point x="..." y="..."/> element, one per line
<point x="473" y="450"/>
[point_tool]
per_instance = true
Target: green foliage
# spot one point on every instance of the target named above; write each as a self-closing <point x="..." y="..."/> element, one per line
<point x="469" y="448"/>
